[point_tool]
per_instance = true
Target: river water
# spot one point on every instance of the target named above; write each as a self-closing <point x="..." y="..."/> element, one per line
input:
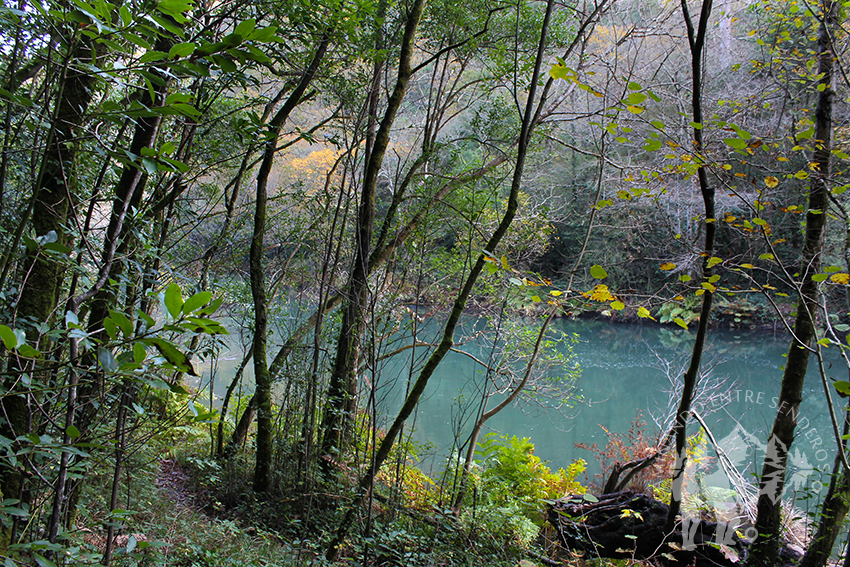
<point x="623" y="376"/>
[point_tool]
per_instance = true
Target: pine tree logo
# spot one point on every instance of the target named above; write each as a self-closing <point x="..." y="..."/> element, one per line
<point x="771" y="482"/>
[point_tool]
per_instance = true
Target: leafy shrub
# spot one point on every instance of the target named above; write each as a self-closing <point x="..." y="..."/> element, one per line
<point x="511" y="472"/>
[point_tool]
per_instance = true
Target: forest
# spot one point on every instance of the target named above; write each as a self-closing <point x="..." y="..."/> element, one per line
<point x="240" y="244"/>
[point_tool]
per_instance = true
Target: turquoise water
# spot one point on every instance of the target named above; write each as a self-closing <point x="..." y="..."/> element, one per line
<point x="622" y="377"/>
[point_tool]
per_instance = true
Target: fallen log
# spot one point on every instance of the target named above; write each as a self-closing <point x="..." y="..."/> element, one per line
<point x="626" y="525"/>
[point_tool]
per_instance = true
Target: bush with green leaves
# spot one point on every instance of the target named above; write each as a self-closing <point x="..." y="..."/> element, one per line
<point x="511" y="484"/>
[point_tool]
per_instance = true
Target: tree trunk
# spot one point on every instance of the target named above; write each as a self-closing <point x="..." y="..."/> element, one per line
<point x="696" y="41"/>
<point x="460" y="302"/>
<point x="338" y="419"/>
<point x="766" y="547"/>
<point x="262" y="376"/>
<point x="54" y="195"/>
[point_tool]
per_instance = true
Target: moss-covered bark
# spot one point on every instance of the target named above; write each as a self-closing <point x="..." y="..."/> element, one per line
<point x="766" y="547"/>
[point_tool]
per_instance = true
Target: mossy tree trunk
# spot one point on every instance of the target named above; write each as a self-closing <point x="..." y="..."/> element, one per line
<point x="766" y="547"/>
<point x="262" y="376"/>
<point x="55" y="194"/>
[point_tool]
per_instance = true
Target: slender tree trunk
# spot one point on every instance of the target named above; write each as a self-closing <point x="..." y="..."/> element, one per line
<point x="766" y="547"/>
<point x="460" y="302"/>
<point x="696" y="40"/>
<point x="262" y="376"/>
<point x="833" y="511"/>
<point x="338" y="420"/>
<point x="486" y="415"/>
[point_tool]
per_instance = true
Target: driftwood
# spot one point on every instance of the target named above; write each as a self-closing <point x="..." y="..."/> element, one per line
<point x="629" y="525"/>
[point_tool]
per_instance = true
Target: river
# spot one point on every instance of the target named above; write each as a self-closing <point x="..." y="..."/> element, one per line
<point x="622" y="377"/>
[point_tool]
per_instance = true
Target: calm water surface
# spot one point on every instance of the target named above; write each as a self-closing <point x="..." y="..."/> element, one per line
<point x="622" y="377"/>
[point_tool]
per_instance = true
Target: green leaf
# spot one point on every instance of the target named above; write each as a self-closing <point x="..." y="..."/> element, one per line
<point x="196" y="301"/>
<point x="212" y="307"/>
<point x="173" y="299"/>
<point x="263" y="35"/>
<point x="741" y="132"/>
<point x="175" y="8"/>
<point x="635" y="98"/>
<point x="28" y="351"/>
<point x="713" y="261"/>
<point x="42" y="561"/>
<point x="10" y="340"/>
<point x="181" y="50"/>
<point x="679" y="321"/>
<point x="819" y="277"/>
<point x="843" y="388"/>
<point x="123" y="322"/>
<point x="153" y="56"/>
<point x="106" y="359"/>
<point x="139" y="353"/>
<point x="149" y="165"/>
<point x="111" y="328"/>
<point x="173" y="355"/>
<point x="825" y="342"/>
<point x="246" y="27"/>
<point x="736" y="143"/>
<point x="652" y="145"/>
<point x="72" y="432"/>
<point x="559" y="72"/>
<point x="598" y="272"/>
<point x="126" y="16"/>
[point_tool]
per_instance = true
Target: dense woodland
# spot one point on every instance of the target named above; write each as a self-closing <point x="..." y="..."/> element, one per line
<point x="314" y="183"/>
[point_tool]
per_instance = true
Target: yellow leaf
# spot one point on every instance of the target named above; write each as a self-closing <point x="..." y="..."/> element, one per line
<point x="555" y="293"/>
<point x="560" y="72"/>
<point x="601" y="293"/>
<point x="747" y="266"/>
<point x="667" y="266"/>
<point x="840" y="278"/>
<point x="617" y="305"/>
<point x="504" y="263"/>
<point x="729" y="218"/>
<point x="635" y="109"/>
<point x="644" y="313"/>
<point x="771" y="181"/>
